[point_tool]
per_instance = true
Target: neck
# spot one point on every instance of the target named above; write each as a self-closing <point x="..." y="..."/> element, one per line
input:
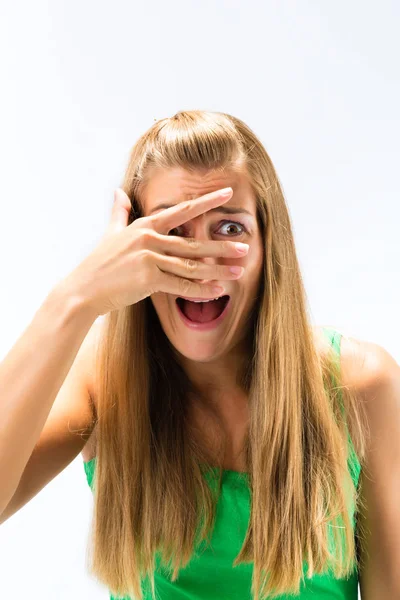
<point x="217" y="376"/>
<point x="220" y="384"/>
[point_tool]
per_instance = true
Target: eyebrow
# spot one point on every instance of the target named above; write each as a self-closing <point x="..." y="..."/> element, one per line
<point x="227" y="210"/>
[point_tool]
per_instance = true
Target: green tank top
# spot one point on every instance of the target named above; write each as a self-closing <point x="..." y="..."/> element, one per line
<point x="210" y="574"/>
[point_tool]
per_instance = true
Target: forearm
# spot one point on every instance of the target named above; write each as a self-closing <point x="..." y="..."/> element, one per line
<point x="31" y="375"/>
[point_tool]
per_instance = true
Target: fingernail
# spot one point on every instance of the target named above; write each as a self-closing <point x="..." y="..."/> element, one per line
<point x="241" y="247"/>
<point x="226" y="192"/>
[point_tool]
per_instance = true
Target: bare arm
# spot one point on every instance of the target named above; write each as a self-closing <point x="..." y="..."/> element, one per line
<point x="376" y="376"/>
<point x="31" y="376"/>
<point x="45" y="411"/>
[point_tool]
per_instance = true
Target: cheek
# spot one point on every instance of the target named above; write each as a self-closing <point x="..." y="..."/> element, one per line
<point x="255" y="265"/>
<point x="159" y="302"/>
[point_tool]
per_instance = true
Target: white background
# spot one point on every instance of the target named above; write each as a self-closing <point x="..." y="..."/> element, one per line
<point x="317" y="81"/>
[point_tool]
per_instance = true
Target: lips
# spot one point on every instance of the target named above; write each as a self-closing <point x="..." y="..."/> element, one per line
<point x="202" y="315"/>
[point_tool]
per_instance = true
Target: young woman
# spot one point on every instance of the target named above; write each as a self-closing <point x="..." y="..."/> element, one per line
<point x="233" y="449"/>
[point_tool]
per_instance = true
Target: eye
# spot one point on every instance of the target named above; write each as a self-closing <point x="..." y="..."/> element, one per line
<point x="236" y="225"/>
<point x="174" y="229"/>
<point x="233" y="224"/>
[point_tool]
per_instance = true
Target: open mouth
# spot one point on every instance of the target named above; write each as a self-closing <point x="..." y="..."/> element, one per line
<point x="204" y="311"/>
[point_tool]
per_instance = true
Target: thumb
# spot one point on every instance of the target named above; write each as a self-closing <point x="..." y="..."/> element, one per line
<point x="120" y="211"/>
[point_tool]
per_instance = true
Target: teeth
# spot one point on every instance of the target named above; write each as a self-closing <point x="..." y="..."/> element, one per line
<point x="210" y="300"/>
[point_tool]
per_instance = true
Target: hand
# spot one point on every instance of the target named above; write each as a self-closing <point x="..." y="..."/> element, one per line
<point x="136" y="260"/>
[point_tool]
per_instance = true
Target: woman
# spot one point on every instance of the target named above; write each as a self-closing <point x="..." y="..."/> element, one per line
<point x="229" y="439"/>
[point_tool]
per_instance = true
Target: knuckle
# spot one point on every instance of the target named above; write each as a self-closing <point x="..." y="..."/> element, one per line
<point x="144" y="255"/>
<point x="185" y="206"/>
<point x="190" y="265"/>
<point x="152" y="221"/>
<point x="193" y="243"/>
<point x="226" y="246"/>
<point x="184" y="286"/>
<point x="146" y="236"/>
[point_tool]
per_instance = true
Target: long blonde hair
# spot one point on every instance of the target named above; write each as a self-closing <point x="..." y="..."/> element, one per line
<point x="150" y="493"/>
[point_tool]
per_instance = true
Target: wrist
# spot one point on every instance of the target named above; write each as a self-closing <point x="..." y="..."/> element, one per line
<point x="70" y="302"/>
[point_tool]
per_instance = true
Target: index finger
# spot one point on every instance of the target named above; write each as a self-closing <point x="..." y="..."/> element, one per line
<point x="184" y="211"/>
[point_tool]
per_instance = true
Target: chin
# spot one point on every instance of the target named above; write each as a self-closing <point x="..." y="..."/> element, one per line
<point x="199" y="352"/>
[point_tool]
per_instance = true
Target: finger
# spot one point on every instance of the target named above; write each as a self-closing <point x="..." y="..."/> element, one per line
<point x="195" y="269"/>
<point x="184" y="211"/>
<point x="179" y="246"/>
<point x="178" y="286"/>
<point x="120" y="211"/>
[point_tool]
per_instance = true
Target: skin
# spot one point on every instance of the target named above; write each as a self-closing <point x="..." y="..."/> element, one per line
<point x="375" y="375"/>
<point x="212" y="358"/>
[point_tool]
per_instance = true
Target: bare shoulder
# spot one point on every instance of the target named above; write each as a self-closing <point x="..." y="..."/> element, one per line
<point x="374" y="375"/>
<point x="365" y="365"/>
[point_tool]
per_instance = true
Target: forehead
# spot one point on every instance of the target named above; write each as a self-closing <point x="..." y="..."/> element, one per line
<point x="177" y="185"/>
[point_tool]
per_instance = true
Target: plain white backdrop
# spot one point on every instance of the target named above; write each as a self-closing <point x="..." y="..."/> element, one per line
<point x="318" y="82"/>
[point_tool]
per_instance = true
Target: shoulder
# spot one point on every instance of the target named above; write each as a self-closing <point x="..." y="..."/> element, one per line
<point x="365" y="366"/>
<point x="374" y="375"/>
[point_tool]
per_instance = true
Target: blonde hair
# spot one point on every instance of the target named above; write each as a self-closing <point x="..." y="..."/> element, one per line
<point x="150" y="494"/>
